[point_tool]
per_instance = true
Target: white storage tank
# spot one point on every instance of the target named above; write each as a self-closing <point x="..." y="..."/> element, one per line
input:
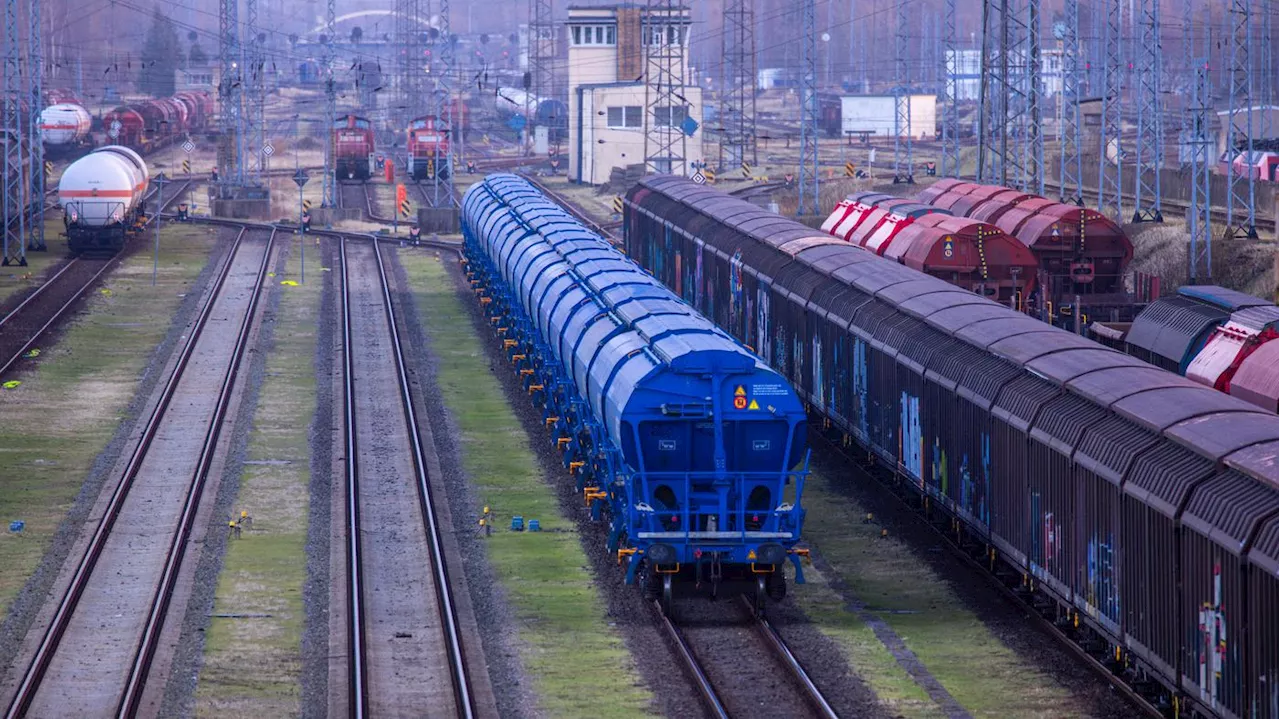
<point x="103" y="188"/>
<point x="64" y="124"/>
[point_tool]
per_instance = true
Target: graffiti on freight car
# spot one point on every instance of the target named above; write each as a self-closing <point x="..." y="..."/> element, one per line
<point x="940" y="467"/>
<point x="763" y="345"/>
<point x="912" y="438"/>
<point x="735" y="289"/>
<point x="1101" y="592"/>
<point x="1211" y="649"/>
<point x="819" y="390"/>
<point x="697" y="275"/>
<point x="860" y="385"/>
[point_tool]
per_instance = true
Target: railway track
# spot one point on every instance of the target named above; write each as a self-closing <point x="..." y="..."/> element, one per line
<point x="767" y="642"/>
<point x="1216" y="214"/>
<point x="405" y="650"/>
<point x="41" y="310"/>
<point x="982" y="561"/>
<point x="98" y="648"/>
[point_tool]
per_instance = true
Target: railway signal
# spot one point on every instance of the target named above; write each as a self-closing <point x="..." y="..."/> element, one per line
<point x="300" y="178"/>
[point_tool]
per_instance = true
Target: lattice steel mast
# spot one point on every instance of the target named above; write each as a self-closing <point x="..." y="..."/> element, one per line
<point x="14" y="145"/>
<point x="1071" y="171"/>
<point x="950" y="165"/>
<point x="329" y="186"/>
<point x="251" y="79"/>
<point x="1003" y="101"/>
<point x="1200" y="252"/>
<point x="664" y="34"/>
<point x="1149" y="153"/>
<point x="738" y="106"/>
<point x="231" y="170"/>
<point x="1241" y="190"/>
<point x="1032" y="120"/>
<point x="808" y="185"/>
<point x="902" y="140"/>
<point x="1109" y="168"/>
<point x="444" y="89"/>
<point x="542" y="48"/>
<point x="408" y="65"/>
<point x="35" y="72"/>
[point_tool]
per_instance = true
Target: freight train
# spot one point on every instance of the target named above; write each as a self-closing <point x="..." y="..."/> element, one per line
<point x="101" y="198"/>
<point x="353" y="148"/>
<point x="974" y="255"/>
<point x="1078" y="252"/>
<point x="1217" y="337"/>
<point x="67" y="127"/>
<point x="673" y="430"/>
<point x="1138" y="505"/>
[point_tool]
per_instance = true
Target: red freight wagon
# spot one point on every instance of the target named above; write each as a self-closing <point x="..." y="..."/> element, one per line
<point x="946" y="184"/>
<point x="1256" y="381"/>
<point x="1000" y="204"/>
<point x="973" y="255"/>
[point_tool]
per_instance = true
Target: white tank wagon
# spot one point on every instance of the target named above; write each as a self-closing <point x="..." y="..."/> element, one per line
<point x="64" y="125"/>
<point x="101" y="198"/>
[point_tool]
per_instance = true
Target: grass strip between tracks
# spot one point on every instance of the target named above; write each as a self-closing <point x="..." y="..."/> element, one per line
<point x="70" y="402"/>
<point x="578" y="664"/>
<point x="253" y="646"/>
<point x="16" y="278"/>
<point x="975" y="666"/>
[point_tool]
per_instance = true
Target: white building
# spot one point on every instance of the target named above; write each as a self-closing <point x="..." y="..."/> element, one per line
<point x="607" y="115"/>
<point x="877" y="113"/>
<point x="969" y="73"/>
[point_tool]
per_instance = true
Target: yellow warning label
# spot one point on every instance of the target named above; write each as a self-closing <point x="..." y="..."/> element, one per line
<point x="751" y="554"/>
<point x="740" y="391"/>
<point x="753" y="405"/>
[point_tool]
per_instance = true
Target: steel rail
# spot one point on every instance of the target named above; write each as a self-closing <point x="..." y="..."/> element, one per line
<point x="145" y="654"/>
<point x="948" y="540"/>
<point x="62" y="310"/>
<point x="783" y="652"/>
<point x="53" y="635"/>
<point x="701" y="682"/>
<point x="357" y="673"/>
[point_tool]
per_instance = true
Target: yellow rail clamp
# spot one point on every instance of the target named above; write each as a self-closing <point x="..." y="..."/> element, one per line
<point x="485" y="300"/>
<point x="575" y="466"/>
<point x="526" y="372"/>
<point x="563" y="442"/>
<point x="626" y="552"/>
<point x="518" y="358"/>
<point x="509" y="343"/>
<point x="551" y="420"/>
<point x="535" y="388"/>
<point x="591" y="494"/>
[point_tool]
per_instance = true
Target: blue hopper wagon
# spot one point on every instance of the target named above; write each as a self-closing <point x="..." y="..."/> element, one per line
<point x="691" y="448"/>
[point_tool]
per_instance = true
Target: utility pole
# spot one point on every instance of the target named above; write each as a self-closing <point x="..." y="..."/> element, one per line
<point x="902" y="140"/>
<point x="1109" y="169"/>
<point x="808" y="184"/>
<point x="329" y="189"/>
<point x="950" y="166"/>
<point x="15" y="169"/>
<point x="1071" y="171"/>
<point x="738" y="104"/>
<point x="35" y="71"/>
<point x="1149" y="153"/>
<point x="1241" y="220"/>
<point x="664" y="32"/>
